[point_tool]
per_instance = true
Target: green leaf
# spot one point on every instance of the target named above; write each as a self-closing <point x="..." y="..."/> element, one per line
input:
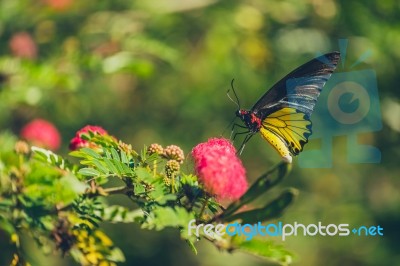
<point x="91" y="153"/>
<point x="47" y="156"/>
<point x="119" y="214"/>
<point x="72" y="183"/>
<point x="272" y="210"/>
<point x="118" y="166"/>
<point x="99" y="165"/>
<point x="87" y="135"/>
<point x="89" y="172"/>
<point x="260" y="186"/>
<point x="144" y="174"/>
<point x="126" y="170"/>
<point x="42" y="174"/>
<point x="165" y="198"/>
<point x="162" y="217"/>
<point x="6" y="203"/>
<point x="124" y="158"/>
<point x="45" y="187"/>
<point x="116" y="255"/>
<point x="166" y="217"/>
<point x="190" y="180"/>
<point x="266" y="249"/>
<point x="108" y="154"/>
<point x="111" y="166"/>
<point x="191" y="245"/>
<point x="115" y="154"/>
<point x="6" y="226"/>
<point x="213" y="206"/>
<point x="139" y="189"/>
<point x="68" y="188"/>
<point x="77" y="154"/>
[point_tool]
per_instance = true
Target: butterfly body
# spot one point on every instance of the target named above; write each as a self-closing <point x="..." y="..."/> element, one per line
<point x="282" y="114"/>
<point x="250" y="119"/>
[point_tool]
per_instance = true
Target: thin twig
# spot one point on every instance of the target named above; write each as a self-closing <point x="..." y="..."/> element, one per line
<point x="117" y="190"/>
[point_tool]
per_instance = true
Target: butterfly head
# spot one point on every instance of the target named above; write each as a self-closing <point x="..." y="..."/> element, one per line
<point x="242" y="113"/>
<point x="250" y="119"/>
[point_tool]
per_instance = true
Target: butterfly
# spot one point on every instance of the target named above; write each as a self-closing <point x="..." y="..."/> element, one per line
<point x="282" y="114"/>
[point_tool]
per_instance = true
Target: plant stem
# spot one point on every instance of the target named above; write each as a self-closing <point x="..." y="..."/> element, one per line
<point x="172" y="183"/>
<point x="203" y="208"/>
<point x="154" y="168"/>
<point x="117" y="190"/>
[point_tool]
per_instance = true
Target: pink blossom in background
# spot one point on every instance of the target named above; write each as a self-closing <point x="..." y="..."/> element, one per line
<point x="59" y="4"/>
<point x="41" y="133"/>
<point x="22" y="45"/>
<point x="219" y="169"/>
<point x="77" y="142"/>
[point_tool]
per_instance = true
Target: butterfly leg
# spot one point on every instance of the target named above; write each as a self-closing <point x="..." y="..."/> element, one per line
<point x="246" y="139"/>
<point x="237" y="133"/>
<point x="238" y="125"/>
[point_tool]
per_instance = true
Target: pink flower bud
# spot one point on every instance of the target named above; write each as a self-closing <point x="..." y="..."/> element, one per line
<point x="77" y="142"/>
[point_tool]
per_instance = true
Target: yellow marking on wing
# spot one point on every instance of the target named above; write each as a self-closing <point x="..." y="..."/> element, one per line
<point x="277" y="122"/>
<point x="289" y="126"/>
<point x="278" y="144"/>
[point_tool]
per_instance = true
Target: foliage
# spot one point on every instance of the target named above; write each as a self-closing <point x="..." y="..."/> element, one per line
<point x="61" y="204"/>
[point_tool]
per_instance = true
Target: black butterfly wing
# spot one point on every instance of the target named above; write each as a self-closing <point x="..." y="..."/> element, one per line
<point x="286" y="108"/>
<point x="300" y="88"/>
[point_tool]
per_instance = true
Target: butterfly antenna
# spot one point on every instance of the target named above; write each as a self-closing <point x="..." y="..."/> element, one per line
<point x="237" y="102"/>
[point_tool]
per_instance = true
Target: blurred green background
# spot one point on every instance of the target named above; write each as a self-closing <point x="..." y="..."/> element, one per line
<point x="158" y="71"/>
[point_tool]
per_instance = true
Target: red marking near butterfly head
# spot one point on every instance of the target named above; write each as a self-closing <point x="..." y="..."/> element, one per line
<point x="242" y="112"/>
<point x="256" y="120"/>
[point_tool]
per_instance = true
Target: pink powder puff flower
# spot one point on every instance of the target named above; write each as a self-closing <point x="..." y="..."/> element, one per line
<point x="219" y="169"/>
<point x="22" y="45"/>
<point x="77" y="142"/>
<point x="41" y="133"/>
